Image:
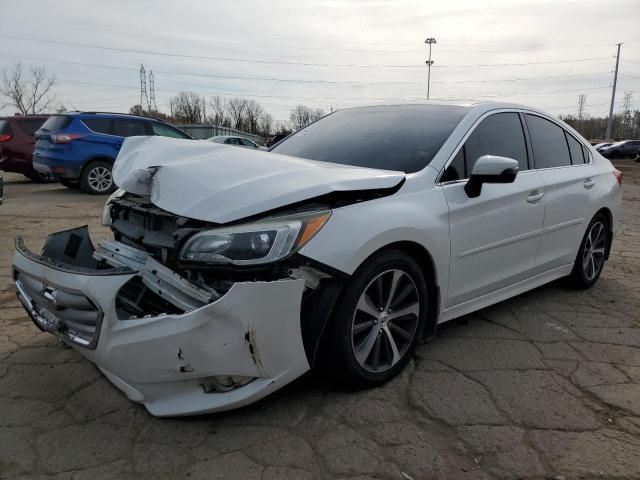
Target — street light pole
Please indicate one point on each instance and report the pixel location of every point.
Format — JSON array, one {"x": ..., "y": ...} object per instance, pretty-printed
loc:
[{"x": 429, "y": 41}]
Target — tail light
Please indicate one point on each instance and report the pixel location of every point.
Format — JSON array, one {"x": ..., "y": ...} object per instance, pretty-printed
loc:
[
  {"x": 65, "y": 137},
  {"x": 5, "y": 138},
  {"x": 618, "y": 174}
]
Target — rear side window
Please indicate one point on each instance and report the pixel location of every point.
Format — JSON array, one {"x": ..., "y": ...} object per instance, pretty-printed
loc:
[
  {"x": 575, "y": 149},
  {"x": 30, "y": 125},
  {"x": 167, "y": 131},
  {"x": 548, "y": 142},
  {"x": 232, "y": 141},
  {"x": 499, "y": 134},
  {"x": 98, "y": 125},
  {"x": 5, "y": 128},
  {"x": 128, "y": 128},
  {"x": 56, "y": 122},
  {"x": 247, "y": 143}
]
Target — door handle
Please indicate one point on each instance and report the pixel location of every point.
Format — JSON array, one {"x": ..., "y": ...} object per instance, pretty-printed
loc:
[
  {"x": 588, "y": 183},
  {"x": 535, "y": 196}
]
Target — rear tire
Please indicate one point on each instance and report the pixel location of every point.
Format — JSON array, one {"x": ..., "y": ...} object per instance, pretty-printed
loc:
[
  {"x": 592, "y": 253},
  {"x": 378, "y": 320},
  {"x": 97, "y": 179}
]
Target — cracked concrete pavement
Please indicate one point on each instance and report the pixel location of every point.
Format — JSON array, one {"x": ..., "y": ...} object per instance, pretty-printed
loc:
[{"x": 546, "y": 385}]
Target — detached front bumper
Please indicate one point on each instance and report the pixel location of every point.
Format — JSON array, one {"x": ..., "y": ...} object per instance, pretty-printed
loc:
[{"x": 165, "y": 361}]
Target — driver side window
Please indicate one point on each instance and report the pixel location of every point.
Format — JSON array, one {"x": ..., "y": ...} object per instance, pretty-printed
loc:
[{"x": 499, "y": 134}]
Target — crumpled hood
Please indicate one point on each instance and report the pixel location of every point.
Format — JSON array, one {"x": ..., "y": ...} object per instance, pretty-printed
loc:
[{"x": 219, "y": 183}]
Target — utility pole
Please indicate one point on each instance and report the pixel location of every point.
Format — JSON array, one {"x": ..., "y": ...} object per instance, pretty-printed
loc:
[
  {"x": 613, "y": 94},
  {"x": 429, "y": 41}
]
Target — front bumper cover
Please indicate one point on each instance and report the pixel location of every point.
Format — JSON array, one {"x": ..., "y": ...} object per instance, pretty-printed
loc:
[{"x": 162, "y": 361}]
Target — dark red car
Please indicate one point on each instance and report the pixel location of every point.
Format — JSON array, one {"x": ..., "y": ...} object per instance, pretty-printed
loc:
[{"x": 16, "y": 144}]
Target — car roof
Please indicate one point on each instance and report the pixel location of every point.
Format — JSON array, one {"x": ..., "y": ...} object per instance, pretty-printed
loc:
[{"x": 111, "y": 114}]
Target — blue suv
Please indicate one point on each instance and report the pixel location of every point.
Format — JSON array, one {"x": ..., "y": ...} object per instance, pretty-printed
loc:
[{"x": 79, "y": 149}]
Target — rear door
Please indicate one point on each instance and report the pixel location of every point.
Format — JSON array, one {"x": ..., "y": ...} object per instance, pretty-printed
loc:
[
  {"x": 560, "y": 160},
  {"x": 494, "y": 237}
]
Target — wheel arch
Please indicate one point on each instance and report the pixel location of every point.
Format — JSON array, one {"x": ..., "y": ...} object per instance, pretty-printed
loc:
[
  {"x": 95, "y": 158},
  {"x": 609, "y": 216}
]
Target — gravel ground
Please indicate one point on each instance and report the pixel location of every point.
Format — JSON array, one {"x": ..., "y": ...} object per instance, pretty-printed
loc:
[{"x": 546, "y": 385}]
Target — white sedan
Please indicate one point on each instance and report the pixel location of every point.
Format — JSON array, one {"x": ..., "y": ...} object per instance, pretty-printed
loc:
[{"x": 232, "y": 272}]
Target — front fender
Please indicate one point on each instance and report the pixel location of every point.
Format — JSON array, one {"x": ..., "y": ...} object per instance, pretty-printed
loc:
[{"x": 355, "y": 232}]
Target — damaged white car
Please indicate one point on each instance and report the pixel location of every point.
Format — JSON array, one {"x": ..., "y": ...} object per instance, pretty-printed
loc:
[{"x": 232, "y": 272}]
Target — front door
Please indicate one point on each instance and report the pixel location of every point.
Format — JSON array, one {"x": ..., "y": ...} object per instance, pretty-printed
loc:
[{"x": 494, "y": 237}]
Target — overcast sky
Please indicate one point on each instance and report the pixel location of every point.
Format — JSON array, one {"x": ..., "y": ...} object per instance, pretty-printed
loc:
[{"x": 329, "y": 53}]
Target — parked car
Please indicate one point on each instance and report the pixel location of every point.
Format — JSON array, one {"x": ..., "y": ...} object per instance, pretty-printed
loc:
[
  {"x": 236, "y": 141},
  {"x": 79, "y": 149},
  {"x": 625, "y": 148},
  {"x": 231, "y": 273},
  {"x": 598, "y": 146},
  {"x": 16, "y": 144}
]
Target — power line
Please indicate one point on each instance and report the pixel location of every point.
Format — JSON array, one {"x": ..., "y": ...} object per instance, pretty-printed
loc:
[
  {"x": 284, "y": 62},
  {"x": 295, "y": 80},
  {"x": 410, "y": 99}
]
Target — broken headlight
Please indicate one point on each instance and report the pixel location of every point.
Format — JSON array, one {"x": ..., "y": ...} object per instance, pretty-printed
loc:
[{"x": 254, "y": 243}]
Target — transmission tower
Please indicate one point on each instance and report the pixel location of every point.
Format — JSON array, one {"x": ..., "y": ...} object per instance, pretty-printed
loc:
[
  {"x": 152, "y": 93},
  {"x": 144, "y": 99},
  {"x": 626, "y": 117},
  {"x": 582, "y": 98}
]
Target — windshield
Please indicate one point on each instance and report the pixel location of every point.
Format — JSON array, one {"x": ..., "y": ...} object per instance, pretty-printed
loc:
[{"x": 400, "y": 137}]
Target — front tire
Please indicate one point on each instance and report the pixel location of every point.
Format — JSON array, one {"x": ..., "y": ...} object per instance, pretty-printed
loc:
[
  {"x": 97, "y": 179},
  {"x": 592, "y": 253},
  {"x": 378, "y": 319}
]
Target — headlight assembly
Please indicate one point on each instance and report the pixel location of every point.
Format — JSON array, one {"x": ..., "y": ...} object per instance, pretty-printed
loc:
[{"x": 254, "y": 243}]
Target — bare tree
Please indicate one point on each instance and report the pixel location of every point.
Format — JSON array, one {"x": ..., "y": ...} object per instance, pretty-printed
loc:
[
  {"x": 301, "y": 116},
  {"x": 265, "y": 124},
  {"x": 29, "y": 92},
  {"x": 236, "y": 108},
  {"x": 253, "y": 111},
  {"x": 187, "y": 107},
  {"x": 219, "y": 112}
]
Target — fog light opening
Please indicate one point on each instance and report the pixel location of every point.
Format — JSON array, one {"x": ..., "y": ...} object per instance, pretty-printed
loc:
[{"x": 224, "y": 383}]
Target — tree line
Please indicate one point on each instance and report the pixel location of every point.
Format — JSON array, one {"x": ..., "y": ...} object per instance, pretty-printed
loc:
[
  {"x": 236, "y": 112},
  {"x": 625, "y": 126}
]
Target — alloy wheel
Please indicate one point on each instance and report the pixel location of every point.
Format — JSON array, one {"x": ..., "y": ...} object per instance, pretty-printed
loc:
[
  {"x": 100, "y": 179},
  {"x": 593, "y": 252},
  {"x": 385, "y": 320}
]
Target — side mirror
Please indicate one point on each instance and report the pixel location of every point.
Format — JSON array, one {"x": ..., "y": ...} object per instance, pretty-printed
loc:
[{"x": 491, "y": 169}]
